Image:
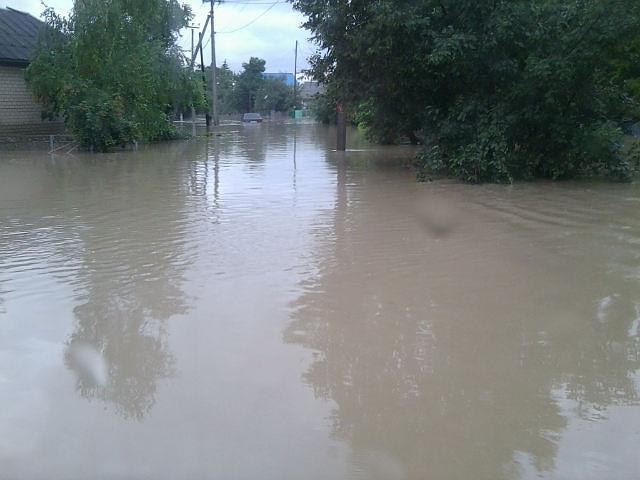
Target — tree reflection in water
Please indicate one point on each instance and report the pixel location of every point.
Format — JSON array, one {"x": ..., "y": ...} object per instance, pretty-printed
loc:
[
  {"x": 134, "y": 349},
  {"x": 133, "y": 267},
  {"x": 448, "y": 356}
]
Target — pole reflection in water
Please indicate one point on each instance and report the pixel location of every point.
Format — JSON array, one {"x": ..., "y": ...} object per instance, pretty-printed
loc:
[
  {"x": 256, "y": 305},
  {"x": 458, "y": 339}
]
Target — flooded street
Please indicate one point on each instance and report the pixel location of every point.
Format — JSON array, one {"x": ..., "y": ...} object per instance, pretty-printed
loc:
[{"x": 258, "y": 306}]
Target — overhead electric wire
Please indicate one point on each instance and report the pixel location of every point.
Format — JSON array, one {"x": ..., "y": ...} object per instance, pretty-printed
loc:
[
  {"x": 242, "y": 2},
  {"x": 273, "y": 4}
]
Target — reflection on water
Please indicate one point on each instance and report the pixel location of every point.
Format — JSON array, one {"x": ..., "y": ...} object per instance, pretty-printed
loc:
[
  {"x": 130, "y": 293},
  {"x": 450, "y": 343},
  {"x": 131, "y": 279},
  {"x": 126, "y": 270},
  {"x": 258, "y": 305}
]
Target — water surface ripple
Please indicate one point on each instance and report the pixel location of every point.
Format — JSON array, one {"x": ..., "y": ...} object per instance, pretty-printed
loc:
[{"x": 256, "y": 305}]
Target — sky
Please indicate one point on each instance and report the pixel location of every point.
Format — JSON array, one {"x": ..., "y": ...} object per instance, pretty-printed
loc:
[{"x": 272, "y": 36}]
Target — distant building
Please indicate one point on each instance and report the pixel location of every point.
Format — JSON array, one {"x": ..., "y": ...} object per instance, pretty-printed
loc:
[
  {"x": 286, "y": 78},
  {"x": 310, "y": 89},
  {"x": 20, "y": 115}
]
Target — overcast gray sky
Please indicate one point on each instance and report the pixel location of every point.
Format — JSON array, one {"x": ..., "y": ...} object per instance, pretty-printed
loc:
[{"x": 272, "y": 36}]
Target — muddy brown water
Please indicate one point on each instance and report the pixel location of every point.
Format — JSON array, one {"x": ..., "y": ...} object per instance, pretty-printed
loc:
[{"x": 257, "y": 306}]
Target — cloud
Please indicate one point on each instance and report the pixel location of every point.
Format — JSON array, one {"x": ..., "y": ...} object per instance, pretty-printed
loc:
[
  {"x": 36, "y": 7},
  {"x": 272, "y": 37}
]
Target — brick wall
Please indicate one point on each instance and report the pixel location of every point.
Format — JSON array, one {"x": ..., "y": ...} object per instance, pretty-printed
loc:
[{"x": 19, "y": 114}]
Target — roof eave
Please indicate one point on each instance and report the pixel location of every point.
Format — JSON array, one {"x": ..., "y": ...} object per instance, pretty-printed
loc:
[{"x": 14, "y": 62}]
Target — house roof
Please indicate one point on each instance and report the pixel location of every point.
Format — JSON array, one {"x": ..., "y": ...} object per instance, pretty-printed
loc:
[{"x": 18, "y": 36}]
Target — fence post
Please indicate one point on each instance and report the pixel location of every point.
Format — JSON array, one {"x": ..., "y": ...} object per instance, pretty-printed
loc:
[{"x": 341, "y": 129}]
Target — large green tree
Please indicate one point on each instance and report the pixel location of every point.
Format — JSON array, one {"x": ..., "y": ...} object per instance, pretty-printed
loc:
[
  {"x": 497, "y": 89},
  {"x": 226, "y": 81},
  {"x": 113, "y": 71},
  {"x": 248, "y": 83},
  {"x": 248, "y": 90},
  {"x": 274, "y": 95}
]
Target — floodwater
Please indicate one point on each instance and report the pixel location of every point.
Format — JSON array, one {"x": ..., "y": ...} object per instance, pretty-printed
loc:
[{"x": 258, "y": 306}]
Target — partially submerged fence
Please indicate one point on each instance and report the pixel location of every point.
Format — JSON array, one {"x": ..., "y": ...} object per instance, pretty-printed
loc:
[
  {"x": 62, "y": 144},
  {"x": 59, "y": 143}
]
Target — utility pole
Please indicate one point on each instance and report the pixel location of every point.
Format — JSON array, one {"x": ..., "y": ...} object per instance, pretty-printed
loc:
[
  {"x": 295, "y": 79},
  {"x": 192, "y": 28},
  {"x": 199, "y": 46},
  {"x": 341, "y": 128},
  {"x": 214, "y": 80},
  {"x": 193, "y": 109},
  {"x": 204, "y": 80}
]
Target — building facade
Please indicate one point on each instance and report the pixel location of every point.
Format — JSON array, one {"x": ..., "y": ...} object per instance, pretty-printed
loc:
[
  {"x": 286, "y": 78},
  {"x": 20, "y": 115},
  {"x": 310, "y": 89}
]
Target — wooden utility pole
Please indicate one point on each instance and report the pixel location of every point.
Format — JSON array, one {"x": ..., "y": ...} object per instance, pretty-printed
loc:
[
  {"x": 193, "y": 60},
  {"x": 193, "y": 109},
  {"x": 295, "y": 79},
  {"x": 199, "y": 46},
  {"x": 192, "y": 28},
  {"x": 204, "y": 80},
  {"x": 341, "y": 141},
  {"x": 214, "y": 80}
]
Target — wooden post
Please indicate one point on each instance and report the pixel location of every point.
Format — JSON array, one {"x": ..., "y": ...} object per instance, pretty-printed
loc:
[
  {"x": 204, "y": 81},
  {"x": 341, "y": 144},
  {"x": 214, "y": 81},
  {"x": 295, "y": 80},
  {"x": 193, "y": 121}
]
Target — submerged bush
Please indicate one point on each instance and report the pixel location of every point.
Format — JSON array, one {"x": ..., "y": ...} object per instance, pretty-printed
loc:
[{"x": 495, "y": 90}]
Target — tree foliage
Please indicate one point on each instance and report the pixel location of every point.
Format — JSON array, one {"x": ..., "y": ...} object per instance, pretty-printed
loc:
[
  {"x": 497, "y": 90},
  {"x": 113, "y": 71},
  {"x": 226, "y": 84},
  {"x": 274, "y": 95},
  {"x": 249, "y": 91},
  {"x": 249, "y": 82}
]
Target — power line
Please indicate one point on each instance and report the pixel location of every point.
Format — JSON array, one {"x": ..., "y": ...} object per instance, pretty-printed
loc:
[
  {"x": 249, "y": 2},
  {"x": 273, "y": 4}
]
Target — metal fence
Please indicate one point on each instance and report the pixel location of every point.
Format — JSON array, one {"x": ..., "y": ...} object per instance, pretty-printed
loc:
[{"x": 62, "y": 143}]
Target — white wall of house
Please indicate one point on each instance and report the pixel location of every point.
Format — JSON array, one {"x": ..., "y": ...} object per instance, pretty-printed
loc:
[{"x": 19, "y": 113}]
